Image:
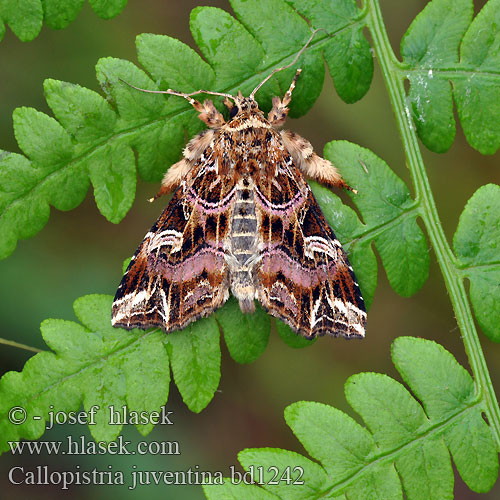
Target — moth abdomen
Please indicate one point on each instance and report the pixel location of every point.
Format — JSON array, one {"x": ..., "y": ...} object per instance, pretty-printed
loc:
[{"x": 243, "y": 246}]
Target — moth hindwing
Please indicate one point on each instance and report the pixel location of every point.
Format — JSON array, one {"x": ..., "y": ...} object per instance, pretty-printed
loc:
[{"x": 243, "y": 219}]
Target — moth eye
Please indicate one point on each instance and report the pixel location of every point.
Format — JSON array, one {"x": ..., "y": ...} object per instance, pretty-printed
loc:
[{"x": 234, "y": 111}]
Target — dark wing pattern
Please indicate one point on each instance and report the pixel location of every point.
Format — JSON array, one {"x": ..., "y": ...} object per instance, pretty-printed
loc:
[
  {"x": 303, "y": 274},
  {"x": 179, "y": 273}
]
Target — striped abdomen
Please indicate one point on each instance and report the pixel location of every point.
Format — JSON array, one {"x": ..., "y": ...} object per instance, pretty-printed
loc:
[{"x": 243, "y": 246}]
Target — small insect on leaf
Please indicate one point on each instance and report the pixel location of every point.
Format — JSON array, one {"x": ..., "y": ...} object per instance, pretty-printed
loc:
[{"x": 243, "y": 219}]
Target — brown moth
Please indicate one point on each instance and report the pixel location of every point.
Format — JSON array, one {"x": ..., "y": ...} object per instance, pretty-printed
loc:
[{"x": 243, "y": 219}]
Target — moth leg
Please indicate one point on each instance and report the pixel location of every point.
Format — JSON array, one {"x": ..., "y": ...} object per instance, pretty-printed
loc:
[
  {"x": 279, "y": 111},
  {"x": 178, "y": 171},
  {"x": 173, "y": 177},
  {"x": 311, "y": 164},
  {"x": 194, "y": 149}
]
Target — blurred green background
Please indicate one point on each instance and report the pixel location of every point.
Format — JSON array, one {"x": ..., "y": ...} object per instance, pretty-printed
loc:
[{"x": 79, "y": 252}]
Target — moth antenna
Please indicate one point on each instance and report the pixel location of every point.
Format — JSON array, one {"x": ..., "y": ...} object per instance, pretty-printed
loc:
[
  {"x": 188, "y": 97},
  {"x": 288, "y": 95},
  {"x": 296, "y": 58}
]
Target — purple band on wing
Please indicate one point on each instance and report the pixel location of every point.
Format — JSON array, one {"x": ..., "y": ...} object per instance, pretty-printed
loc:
[
  {"x": 278, "y": 261},
  {"x": 207, "y": 258}
]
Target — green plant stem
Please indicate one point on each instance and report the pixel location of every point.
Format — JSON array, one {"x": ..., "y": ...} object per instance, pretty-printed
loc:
[
  {"x": 394, "y": 76},
  {"x": 20, "y": 346}
]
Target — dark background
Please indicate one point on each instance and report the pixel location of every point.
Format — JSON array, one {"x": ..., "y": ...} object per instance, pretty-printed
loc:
[{"x": 79, "y": 252}]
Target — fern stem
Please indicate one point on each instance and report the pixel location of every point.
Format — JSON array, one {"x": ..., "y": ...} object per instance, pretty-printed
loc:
[
  {"x": 394, "y": 77},
  {"x": 20, "y": 346}
]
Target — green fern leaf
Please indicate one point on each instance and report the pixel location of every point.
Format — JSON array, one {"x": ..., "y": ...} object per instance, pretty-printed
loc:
[
  {"x": 195, "y": 357},
  {"x": 347, "y": 53},
  {"x": 246, "y": 335},
  {"x": 59, "y": 13},
  {"x": 290, "y": 337},
  {"x": 477, "y": 247},
  {"x": 443, "y": 46},
  {"x": 93, "y": 364},
  {"x": 232, "y": 491},
  {"x": 107, "y": 8},
  {"x": 404, "y": 448},
  {"x": 25, "y": 17}
]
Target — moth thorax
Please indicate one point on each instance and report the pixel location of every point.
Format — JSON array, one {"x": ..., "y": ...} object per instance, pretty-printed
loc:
[{"x": 243, "y": 246}]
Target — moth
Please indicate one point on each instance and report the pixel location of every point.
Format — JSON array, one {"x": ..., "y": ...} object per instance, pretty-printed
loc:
[{"x": 242, "y": 218}]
